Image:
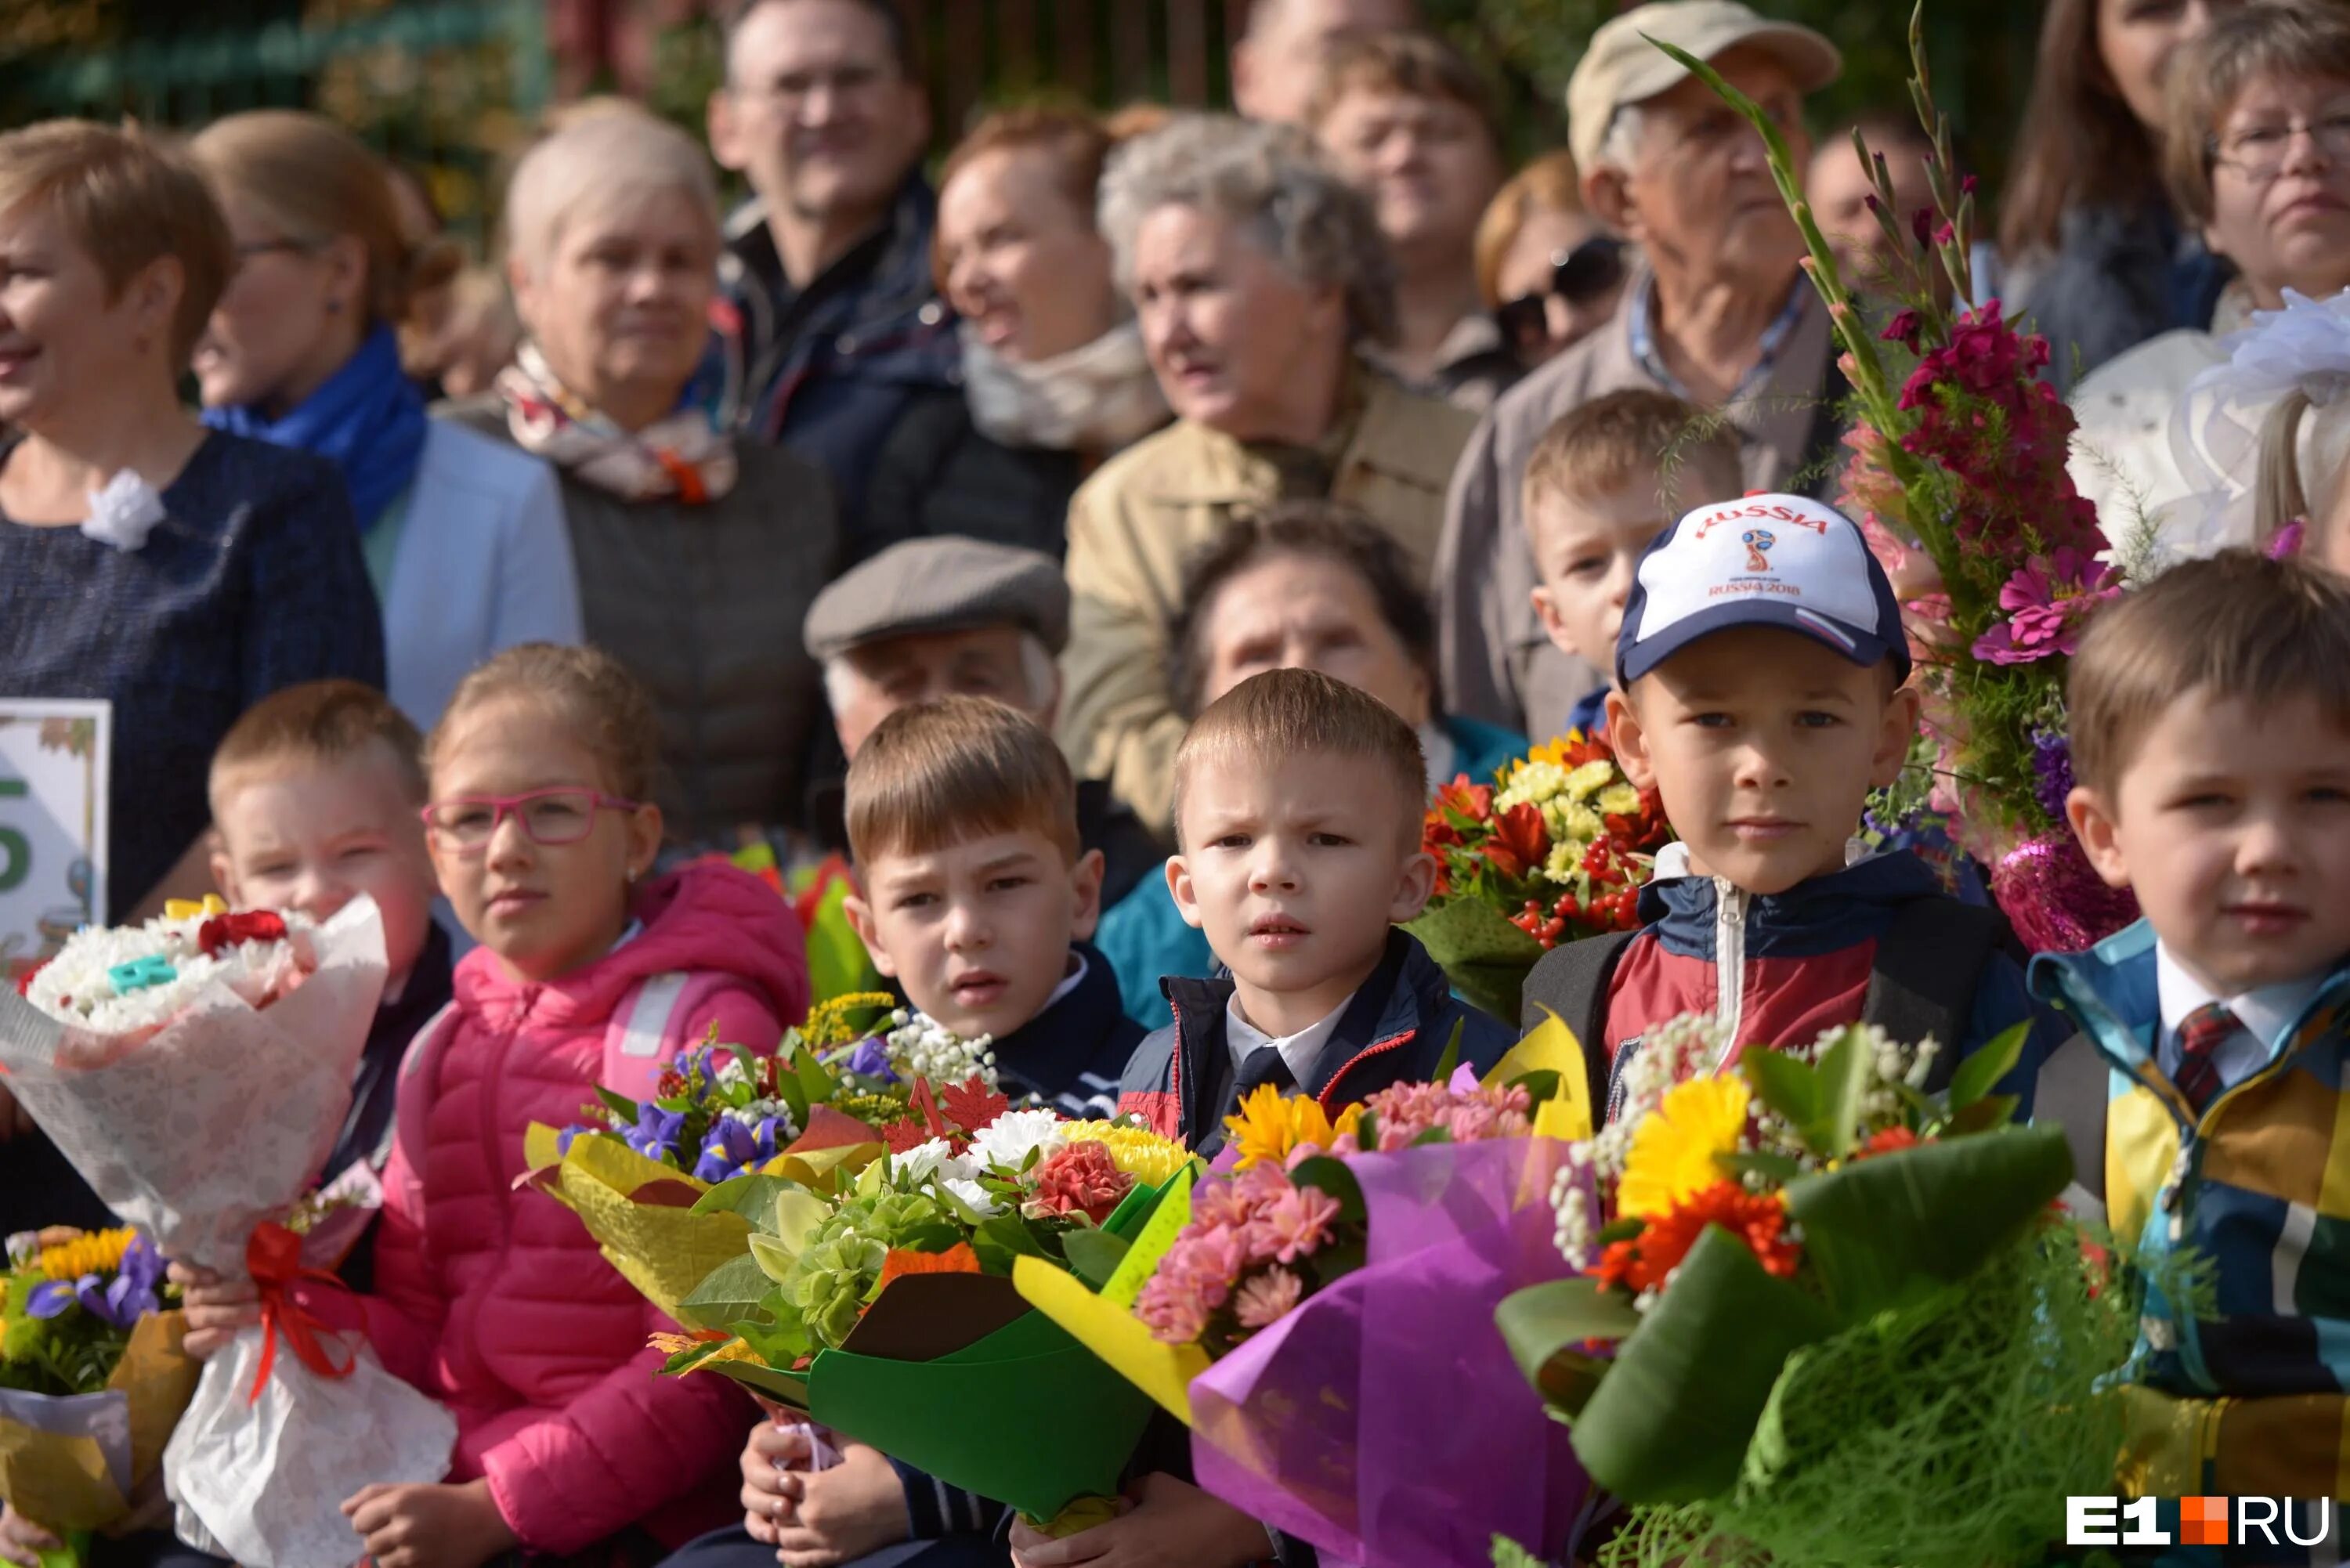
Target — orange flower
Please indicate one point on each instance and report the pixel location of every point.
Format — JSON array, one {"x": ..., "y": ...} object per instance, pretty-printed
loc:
[
  {"x": 1892, "y": 1140},
  {"x": 1646, "y": 1260},
  {"x": 958, "y": 1259}
]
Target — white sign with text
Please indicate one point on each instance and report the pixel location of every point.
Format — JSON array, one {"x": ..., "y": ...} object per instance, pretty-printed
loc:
[{"x": 54, "y": 763}]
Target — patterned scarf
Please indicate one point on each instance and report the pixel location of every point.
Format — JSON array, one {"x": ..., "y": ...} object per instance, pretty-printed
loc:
[{"x": 687, "y": 457}]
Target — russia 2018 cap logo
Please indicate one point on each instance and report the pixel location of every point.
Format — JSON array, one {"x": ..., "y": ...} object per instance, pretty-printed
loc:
[{"x": 1758, "y": 541}]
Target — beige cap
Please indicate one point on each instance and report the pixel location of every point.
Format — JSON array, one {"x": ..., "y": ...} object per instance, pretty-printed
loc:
[{"x": 1622, "y": 66}]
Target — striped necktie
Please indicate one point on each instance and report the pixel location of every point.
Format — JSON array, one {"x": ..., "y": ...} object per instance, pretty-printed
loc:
[{"x": 2201, "y": 1036}]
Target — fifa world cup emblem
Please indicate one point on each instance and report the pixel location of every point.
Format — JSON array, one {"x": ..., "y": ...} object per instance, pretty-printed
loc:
[{"x": 1758, "y": 540}]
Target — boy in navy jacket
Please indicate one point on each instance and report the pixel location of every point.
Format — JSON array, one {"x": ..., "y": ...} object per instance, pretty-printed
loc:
[{"x": 1760, "y": 674}]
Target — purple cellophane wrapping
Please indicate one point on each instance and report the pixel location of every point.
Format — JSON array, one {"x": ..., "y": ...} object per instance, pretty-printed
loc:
[{"x": 1385, "y": 1420}]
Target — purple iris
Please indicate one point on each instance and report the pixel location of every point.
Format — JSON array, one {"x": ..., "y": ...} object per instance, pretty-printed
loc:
[
  {"x": 570, "y": 1134},
  {"x": 733, "y": 1146},
  {"x": 871, "y": 1060},
  {"x": 656, "y": 1131},
  {"x": 700, "y": 1067},
  {"x": 121, "y": 1301},
  {"x": 2051, "y": 768}
]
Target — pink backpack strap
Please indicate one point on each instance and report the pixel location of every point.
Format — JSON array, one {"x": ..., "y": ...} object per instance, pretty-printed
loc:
[
  {"x": 653, "y": 1025},
  {"x": 419, "y": 1086}
]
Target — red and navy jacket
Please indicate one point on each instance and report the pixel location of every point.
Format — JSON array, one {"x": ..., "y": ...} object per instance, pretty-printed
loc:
[
  {"x": 1781, "y": 968},
  {"x": 1394, "y": 1031}
]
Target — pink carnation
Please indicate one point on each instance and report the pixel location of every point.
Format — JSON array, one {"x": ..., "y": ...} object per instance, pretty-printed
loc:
[
  {"x": 1406, "y": 1111},
  {"x": 1294, "y": 1225},
  {"x": 1268, "y": 1298}
]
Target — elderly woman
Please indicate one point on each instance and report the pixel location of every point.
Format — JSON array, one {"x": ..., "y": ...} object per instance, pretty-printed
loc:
[
  {"x": 177, "y": 574},
  {"x": 1718, "y": 313},
  {"x": 1308, "y": 586},
  {"x": 1403, "y": 117},
  {"x": 463, "y": 534},
  {"x": 1054, "y": 374},
  {"x": 2258, "y": 157},
  {"x": 1549, "y": 272},
  {"x": 692, "y": 548},
  {"x": 1256, "y": 273}
]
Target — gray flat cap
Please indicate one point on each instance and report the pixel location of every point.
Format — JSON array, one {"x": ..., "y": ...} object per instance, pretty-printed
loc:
[{"x": 942, "y": 584}]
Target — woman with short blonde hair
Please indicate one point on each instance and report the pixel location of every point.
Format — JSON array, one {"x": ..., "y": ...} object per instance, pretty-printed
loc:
[
  {"x": 463, "y": 536},
  {"x": 1549, "y": 272},
  {"x": 691, "y": 546},
  {"x": 178, "y": 574}
]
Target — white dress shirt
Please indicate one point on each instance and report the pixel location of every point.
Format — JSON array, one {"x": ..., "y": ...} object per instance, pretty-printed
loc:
[
  {"x": 1300, "y": 1050},
  {"x": 2265, "y": 1013}
]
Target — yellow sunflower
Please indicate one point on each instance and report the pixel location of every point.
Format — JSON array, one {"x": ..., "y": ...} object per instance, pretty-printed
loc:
[
  {"x": 1271, "y": 1125},
  {"x": 1673, "y": 1150},
  {"x": 99, "y": 1252}
]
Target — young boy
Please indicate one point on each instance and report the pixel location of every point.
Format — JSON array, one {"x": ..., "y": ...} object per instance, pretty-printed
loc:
[
  {"x": 1298, "y": 803},
  {"x": 1600, "y": 485},
  {"x": 1759, "y": 690},
  {"x": 316, "y": 795},
  {"x": 2204, "y": 1096},
  {"x": 971, "y": 892}
]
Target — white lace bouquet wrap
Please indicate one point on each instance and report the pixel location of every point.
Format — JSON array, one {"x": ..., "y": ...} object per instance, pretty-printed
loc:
[{"x": 197, "y": 1128}]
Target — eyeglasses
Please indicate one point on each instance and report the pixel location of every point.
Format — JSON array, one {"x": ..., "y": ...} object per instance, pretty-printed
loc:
[
  {"x": 1588, "y": 273},
  {"x": 2259, "y": 151},
  {"x": 548, "y": 816}
]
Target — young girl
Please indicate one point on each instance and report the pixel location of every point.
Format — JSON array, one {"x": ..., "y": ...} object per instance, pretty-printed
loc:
[{"x": 494, "y": 1300}]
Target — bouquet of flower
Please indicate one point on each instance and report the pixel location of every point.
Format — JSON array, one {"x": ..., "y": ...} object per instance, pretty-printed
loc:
[
  {"x": 1822, "y": 1316},
  {"x": 1555, "y": 848},
  {"x": 91, "y": 1375},
  {"x": 1958, "y": 473},
  {"x": 635, "y": 1177},
  {"x": 1316, "y": 1313},
  {"x": 875, "y": 1295},
  {"x": 196, "y": 1071}
]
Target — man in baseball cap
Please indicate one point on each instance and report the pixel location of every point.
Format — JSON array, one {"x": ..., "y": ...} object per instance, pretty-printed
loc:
[
  {"x": 1717, "y": 313},
  {"x": 1762, "y": 670}
]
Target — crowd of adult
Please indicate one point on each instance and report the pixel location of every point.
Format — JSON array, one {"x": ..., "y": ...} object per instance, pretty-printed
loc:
[{"x": 1107, "y": 418}]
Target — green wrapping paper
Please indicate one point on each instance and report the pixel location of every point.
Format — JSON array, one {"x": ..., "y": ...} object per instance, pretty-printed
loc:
[{"x": 1485, "y": 957}]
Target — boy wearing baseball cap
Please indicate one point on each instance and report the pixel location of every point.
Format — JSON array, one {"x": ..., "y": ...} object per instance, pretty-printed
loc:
[{"x": 1760, "y": 675}]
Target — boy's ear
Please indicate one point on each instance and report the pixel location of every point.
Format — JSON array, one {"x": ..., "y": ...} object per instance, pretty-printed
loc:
[
  {"x": 2098, "y": 828},
  {"x": 223, "y": 869},
  {"x": 1085, "y": 882},
  {"x": 1413, "y": 887},
  {"x": 1180, "y": 889},
  {"x": 1553, "y": 625},
  {"x": 861, "y": 920},
  {"x": 1893, "y": 741},
  {"x": 1631, "y": 742}
]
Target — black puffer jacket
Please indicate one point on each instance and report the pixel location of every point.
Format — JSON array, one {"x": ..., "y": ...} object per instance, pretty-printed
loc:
[{"x": 936, "y": 474}]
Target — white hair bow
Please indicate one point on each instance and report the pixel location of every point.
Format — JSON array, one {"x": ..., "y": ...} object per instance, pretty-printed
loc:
[{"x": 2216, "y": 425}]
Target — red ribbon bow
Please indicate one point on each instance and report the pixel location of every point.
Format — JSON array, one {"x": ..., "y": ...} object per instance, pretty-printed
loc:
[
  {"x": 274, "y": 1258},
  {"x": 223, "y": 930}
]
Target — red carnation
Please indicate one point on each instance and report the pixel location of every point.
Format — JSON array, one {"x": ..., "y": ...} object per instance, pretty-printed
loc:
[{"x": 1080, "y": 1179}]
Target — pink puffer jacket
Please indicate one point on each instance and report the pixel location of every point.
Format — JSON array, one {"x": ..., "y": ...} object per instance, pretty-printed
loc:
[{"x": 494, "y": 1301}]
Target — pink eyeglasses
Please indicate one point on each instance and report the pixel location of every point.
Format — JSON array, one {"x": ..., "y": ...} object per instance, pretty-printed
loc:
[{"x": 558, "y": 816}]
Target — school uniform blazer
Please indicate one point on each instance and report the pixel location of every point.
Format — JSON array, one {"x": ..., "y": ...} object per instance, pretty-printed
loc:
[{"x": 483, "y": 562}]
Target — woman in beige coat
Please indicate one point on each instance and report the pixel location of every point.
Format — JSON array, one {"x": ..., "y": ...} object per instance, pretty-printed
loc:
[{"x": 1256, "y": 274}]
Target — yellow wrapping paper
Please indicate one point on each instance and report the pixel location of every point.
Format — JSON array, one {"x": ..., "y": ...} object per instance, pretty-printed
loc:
[
  {"x": 62, "y": 1482},
  {"x": 663, "y": 1250}
]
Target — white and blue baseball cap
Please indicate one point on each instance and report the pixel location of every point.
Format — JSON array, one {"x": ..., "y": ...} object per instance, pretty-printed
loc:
[{"x": 1765, "y": 560}]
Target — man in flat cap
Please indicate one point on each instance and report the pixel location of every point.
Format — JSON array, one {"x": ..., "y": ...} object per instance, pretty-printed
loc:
[
  {"x": 1718, "y": 314},
  {"x": 946, "y": 617}
]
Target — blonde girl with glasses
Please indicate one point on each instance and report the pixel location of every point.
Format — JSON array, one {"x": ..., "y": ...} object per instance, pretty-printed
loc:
[{"x": 589, "y": 971}]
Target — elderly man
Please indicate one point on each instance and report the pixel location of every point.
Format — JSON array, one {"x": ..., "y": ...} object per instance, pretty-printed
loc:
[
  {"x": 954, "y": 616},
  {"x": 828, "y": 266},
  {"x": 1720, "y": 314},
  {"x": 1277, "y": 62}
]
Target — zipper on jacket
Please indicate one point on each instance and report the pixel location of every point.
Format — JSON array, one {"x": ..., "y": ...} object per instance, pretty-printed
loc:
[{"x": 1729, "y": 959}]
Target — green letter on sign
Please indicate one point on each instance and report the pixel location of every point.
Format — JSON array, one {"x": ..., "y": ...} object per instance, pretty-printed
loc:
[{"x": 16, "y": 854}]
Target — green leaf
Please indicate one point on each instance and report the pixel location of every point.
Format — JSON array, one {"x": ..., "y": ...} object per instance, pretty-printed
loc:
[
  {"x": 1780, "y": 1169},
  {"x": 1976, "y": 1074},
  {"x": 752, "y": 1195},
  {"x": 1093, "y": 1255},
  {"x": 1846, "y": 1070},
  {"x": 1672, "y": 1419},
  {"x": 1544, "y": 1326},
  {"x": 1622, "y": 1229},
  {"x": 814, "y": 1081},
  {"x": 1787, "y": 1087},
  {"x": 1986, "y": 1114},
  {"x": 1331, "y": 1176},
  {"x": 619, "y": 1104},
  {"x": 1890, "y": 1229},
  {"x": 1508, "y": 1554},
  {"x": 1540, "y": 1085},
  {"x": 1451, "y": 1057},
  {"x": 733, "y": 1290}
]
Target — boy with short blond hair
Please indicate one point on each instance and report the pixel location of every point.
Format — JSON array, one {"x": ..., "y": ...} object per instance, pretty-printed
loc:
[
  {"x": 1298, "y": 806},
  {"x": 1600, "y": 485},
  {"x": 2204, "y": 1095},
  {"x": 1760, "y": 690}
]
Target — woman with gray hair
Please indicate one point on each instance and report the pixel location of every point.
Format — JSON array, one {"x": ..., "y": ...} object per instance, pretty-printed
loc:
[
  {"x": 1257, "y": 274},
  {"x": 691, "y": 547}
]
